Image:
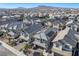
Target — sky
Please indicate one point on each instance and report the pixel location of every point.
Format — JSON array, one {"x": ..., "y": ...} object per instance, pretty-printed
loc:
[{"x": 31, "y": 5}]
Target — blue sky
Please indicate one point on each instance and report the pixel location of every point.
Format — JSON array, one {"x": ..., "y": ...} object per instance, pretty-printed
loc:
[{"x": 30, "y": 5}]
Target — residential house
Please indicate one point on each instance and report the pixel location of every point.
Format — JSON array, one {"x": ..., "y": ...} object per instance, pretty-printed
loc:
[
  {"x": 31, "y": 30},
  {"x": 44, "y": 37},
  {"x": 65, "y": 41}
]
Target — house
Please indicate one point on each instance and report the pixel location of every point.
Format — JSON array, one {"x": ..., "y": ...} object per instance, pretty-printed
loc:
[
  {"x": 73, "y": 25},
  {"x": 17, "y": 26},
  {"x": 48, "y": 24},
  {"x": 65, "y": 40},
  {"x": 70, "y": 17},
  {"x": 44, "y": 37},
  {"x": 13, "y": 34},
  {"x": 14, "y": 28},
  {"x": 26, "y": 21},
  {"x": 58, "y": 23},
  {"x": 27, "y": 32},
  {"x": 36, "y": 21},
  {"x": 33, "y": 29},
  {"x": 24, "y": 36},
  {"x": 3, "y": 27}
]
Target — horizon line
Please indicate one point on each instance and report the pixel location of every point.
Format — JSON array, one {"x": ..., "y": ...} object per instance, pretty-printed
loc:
[
  {"x": 33, "y": 5},
  {"x": 37, "y": 6}
]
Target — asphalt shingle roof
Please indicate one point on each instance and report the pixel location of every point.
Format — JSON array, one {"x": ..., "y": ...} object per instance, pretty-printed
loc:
[{"x": 34, "y": 28}]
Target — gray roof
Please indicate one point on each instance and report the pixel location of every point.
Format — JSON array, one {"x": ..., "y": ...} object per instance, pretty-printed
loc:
[
  {"x": 70, "y": 41},
  {"x": 7, "y": 22},
  {"x": 71, "y": 34},
  {"x": 34, "y": 28},
  {"x": 58, "y": 21},
  {"x": 49, "y": 33},
  {"x": 70, "y": 38},
  {"x": 67, "y": 36},
  {"x": 19, "y": 25}
]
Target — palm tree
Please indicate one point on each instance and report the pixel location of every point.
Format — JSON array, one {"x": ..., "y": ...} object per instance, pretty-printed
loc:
[{"x": 26, "y": 49}]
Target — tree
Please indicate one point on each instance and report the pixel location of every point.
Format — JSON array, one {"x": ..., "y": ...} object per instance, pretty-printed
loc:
[
  {"x": 25, "y": 49},
  {"x": 1, "y": 33},
  {"x": 11, "y": 42},
  {"x": 63, "y": 27}
]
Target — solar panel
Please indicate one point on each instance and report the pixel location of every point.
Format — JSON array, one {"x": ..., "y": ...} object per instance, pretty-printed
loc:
[{"x": 50, "y": 33}]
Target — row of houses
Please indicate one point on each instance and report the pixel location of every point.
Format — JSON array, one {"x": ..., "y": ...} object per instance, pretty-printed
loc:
[
  {"x": 41, "y": 34},
  {"x": 37, "y": 34},
  {"x": 66, "y": 39}
]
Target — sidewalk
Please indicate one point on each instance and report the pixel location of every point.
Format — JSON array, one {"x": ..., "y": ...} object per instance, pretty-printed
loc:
[{"x": 12, "y": 49}]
